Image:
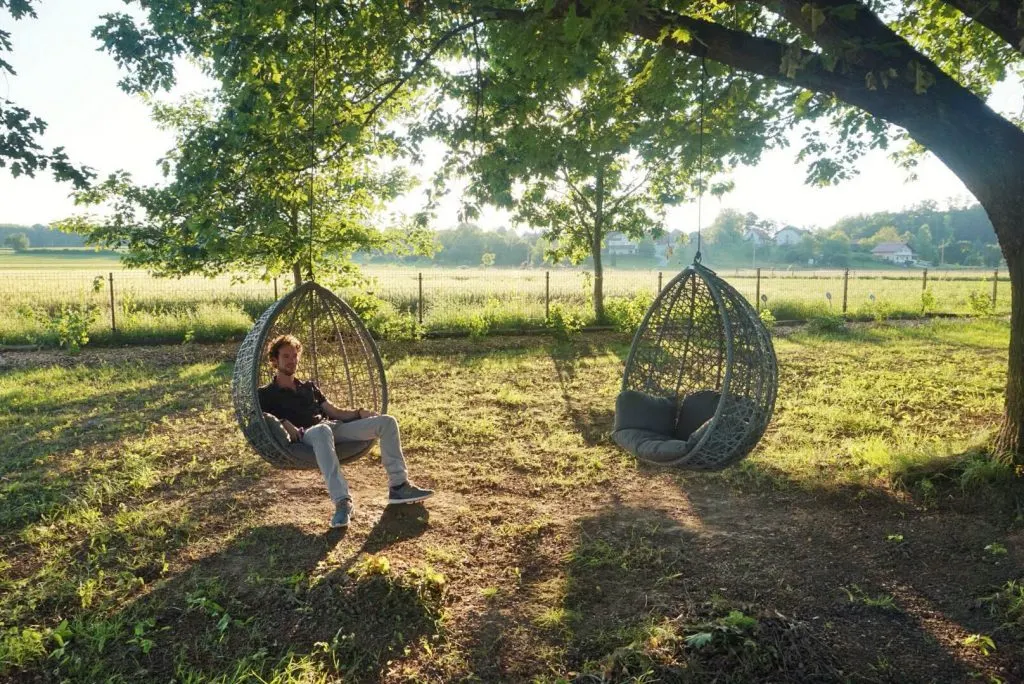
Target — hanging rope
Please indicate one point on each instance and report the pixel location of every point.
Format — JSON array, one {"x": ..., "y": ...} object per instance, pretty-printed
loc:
[
  {"x": 312, "y": 145},
  {"x": 700, "y": 155}
]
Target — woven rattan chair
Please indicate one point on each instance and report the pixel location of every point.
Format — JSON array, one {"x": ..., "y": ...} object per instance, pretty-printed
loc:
[
  {"x": 701, "y": 377},
  {"x": 338, "y": 354}
]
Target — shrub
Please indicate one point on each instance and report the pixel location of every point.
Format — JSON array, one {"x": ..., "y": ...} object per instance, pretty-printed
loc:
[
  {"x": 767, "y": 318},
  {"x": 826, "y": 324},
  {"x": 71, "y": 325},
  {"x": 563, "y": 324},
  {"x": 627, "y": 313},
  {"x": 980, "y": 303},
  {"x": 383, "y": 320}
]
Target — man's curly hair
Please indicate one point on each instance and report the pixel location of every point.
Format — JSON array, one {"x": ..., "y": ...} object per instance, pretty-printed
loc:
[{"x": 280, "y": 341}]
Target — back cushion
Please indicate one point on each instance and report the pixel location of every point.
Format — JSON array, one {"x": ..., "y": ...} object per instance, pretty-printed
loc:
[
  {"x": 638, "y": 411},
  {"x": 695, "y": 410}
]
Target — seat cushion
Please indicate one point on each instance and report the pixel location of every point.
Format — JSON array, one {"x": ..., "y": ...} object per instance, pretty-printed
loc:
[
  {"x": 346, "y": 449},
  {"x": 695, "y": 411},
  {"x": 638, "y": 411}
]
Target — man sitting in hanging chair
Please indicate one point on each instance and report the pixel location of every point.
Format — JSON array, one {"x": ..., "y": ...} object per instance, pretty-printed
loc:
[{"x": 310, "y": 418}]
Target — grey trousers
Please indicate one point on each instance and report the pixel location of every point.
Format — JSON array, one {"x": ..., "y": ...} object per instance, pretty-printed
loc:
[{"x": 321, "y": 438}]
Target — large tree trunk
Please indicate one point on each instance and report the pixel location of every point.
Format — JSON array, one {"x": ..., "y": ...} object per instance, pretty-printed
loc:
[{"x": 1010, "y": 440}]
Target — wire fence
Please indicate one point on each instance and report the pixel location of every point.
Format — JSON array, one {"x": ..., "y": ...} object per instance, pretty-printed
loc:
[{"x": 136, "y": 306}]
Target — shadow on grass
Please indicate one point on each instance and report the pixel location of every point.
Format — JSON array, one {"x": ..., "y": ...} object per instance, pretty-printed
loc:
[
  {"x": 53, "y": 437},
  {"x": 270, "y": 604},
  {"x": 593, "y": 422}
]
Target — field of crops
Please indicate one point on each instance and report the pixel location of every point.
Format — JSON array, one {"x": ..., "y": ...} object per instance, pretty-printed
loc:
[{"x": 124, "y": 305}]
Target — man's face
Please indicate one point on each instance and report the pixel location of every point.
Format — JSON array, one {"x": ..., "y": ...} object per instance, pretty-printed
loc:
[{"x": 287, "y": 360}]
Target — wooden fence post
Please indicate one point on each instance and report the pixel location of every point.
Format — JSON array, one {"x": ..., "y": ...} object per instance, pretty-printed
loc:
[
  {"x": 995, "y": 284},
  {"x": 419, "y": 306},
  {"x": 113, "y": 318},
  {"x": 846, "y": 287},
  {"x": 547, "y": 296},
  {"x": 757, "y": 291}
]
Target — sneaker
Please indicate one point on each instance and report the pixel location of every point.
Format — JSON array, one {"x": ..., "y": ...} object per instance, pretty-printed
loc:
[
  {"x": 342, "y": 513},
  {"x": 407, "y": 493}
]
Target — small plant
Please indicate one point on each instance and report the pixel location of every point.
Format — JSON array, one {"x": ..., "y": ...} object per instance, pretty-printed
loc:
[
  {"x": 1007, "y": 604},
  {"x": 563, "y": 324},
  {"x": 71, "y": 325},
  {"x": 996, "y": 549},
  {"x": 767, "y": 318},
  {"x": 980, "y": 303},
  {"x": 857, "y": 595},
  {"x": 735, "y": 625},
  {"x": 894, "y": 538},
  {"x": 826, "y": 324},
  {"x": 981, "y": 643},
  {"x": 478, "y": 326},
  {"x": 627, "y": 313},
  {"x": 927, "y": 301},
  {"x": 371, "y": 565}
]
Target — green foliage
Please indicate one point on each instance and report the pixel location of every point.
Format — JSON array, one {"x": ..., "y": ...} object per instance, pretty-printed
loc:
[
  {"x": 383, "y": 319},
  {"x": 627, "y": 313},
  {"x": 18, "y": 242},
  {"x": 927, "y": 301},
  {"x": 827, "y": 324},
  {"x": 857, "y": 595},
  {"x": 767, "y": 318},
  {"x": 19, "y": 647},
  {"x": 982, "y": 643},
  {"x": 1007, "y": 605},
  {"x": 563, "y": 324},
  {"x": 980, "y": 303},
  {"x": 70, "y": 324}
]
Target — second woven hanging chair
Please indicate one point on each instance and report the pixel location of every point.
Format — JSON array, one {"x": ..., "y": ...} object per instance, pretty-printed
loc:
[
  {"x": 701, "y": 377},
  {"x": 339, "y": 355}
]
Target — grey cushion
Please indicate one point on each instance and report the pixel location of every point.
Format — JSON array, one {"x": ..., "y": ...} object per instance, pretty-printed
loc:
[
  {"x": 695, "y": 411},
  {"x": 655, "y": 447},
  {"x": 638, "y": 411},
  {"x": 346, "y": 449}
]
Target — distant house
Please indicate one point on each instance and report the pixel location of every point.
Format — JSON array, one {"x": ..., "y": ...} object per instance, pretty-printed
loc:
[
  {"x": 757, "y": 236},
  {"x": 618, "y": 243},
  {"x": 896, "y": 252},
  {"x": 790, "y": 235}
]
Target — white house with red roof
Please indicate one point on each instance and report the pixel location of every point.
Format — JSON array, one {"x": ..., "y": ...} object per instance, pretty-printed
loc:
[{"x": 896, "y": 252}]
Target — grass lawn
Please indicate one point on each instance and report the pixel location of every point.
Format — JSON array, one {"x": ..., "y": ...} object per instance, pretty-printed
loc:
[{"x": 140, "y": 539}]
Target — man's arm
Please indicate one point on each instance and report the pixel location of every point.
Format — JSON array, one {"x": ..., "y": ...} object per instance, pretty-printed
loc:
[
  {"x": 345, "y": 415},
  {"x": 293, "y": 432}
]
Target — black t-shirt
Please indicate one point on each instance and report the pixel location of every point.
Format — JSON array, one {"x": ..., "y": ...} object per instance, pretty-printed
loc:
[{"x": 301, "y": 406}]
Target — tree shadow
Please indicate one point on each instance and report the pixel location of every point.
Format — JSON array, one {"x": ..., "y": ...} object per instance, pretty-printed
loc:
[
  {"x": 272, "y": 600},
  {"x": 33, "y": 451},
  {"x": 892, "y": 584},
  {"x": 591, "y": 417}
]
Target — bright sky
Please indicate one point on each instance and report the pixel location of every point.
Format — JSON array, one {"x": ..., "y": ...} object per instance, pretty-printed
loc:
[{"x": 62, "y": 78}]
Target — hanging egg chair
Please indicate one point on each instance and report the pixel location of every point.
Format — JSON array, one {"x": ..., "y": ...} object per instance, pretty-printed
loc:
[
  {"x": 339, "y": 355},
  {"x": 701, "y": 377}
]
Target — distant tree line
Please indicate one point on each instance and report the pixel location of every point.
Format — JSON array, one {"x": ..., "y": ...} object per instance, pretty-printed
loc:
[
  {"x": 958, "y": 236},
  {"x": 39, "y": 235}
]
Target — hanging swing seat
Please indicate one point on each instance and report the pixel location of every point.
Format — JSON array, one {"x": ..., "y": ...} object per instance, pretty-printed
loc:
[
  {"x": 339, "y": 355},
  {"x": 701, "y": 377}
]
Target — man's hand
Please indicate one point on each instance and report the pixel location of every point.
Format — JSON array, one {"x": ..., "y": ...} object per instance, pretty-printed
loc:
[
  {"x": 293, "y": 432},
  {"x": 366, "y": 413}
]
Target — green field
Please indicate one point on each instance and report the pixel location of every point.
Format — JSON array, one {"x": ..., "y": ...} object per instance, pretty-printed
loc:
[
  {"x": 864, "y": 540},
  {"x": 35, "y": 302},
  {"x": 58, "y": 258}
]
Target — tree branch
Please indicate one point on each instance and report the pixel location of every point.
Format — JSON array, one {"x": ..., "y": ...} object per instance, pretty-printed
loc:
[{"x": 1001, "y": 17}]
